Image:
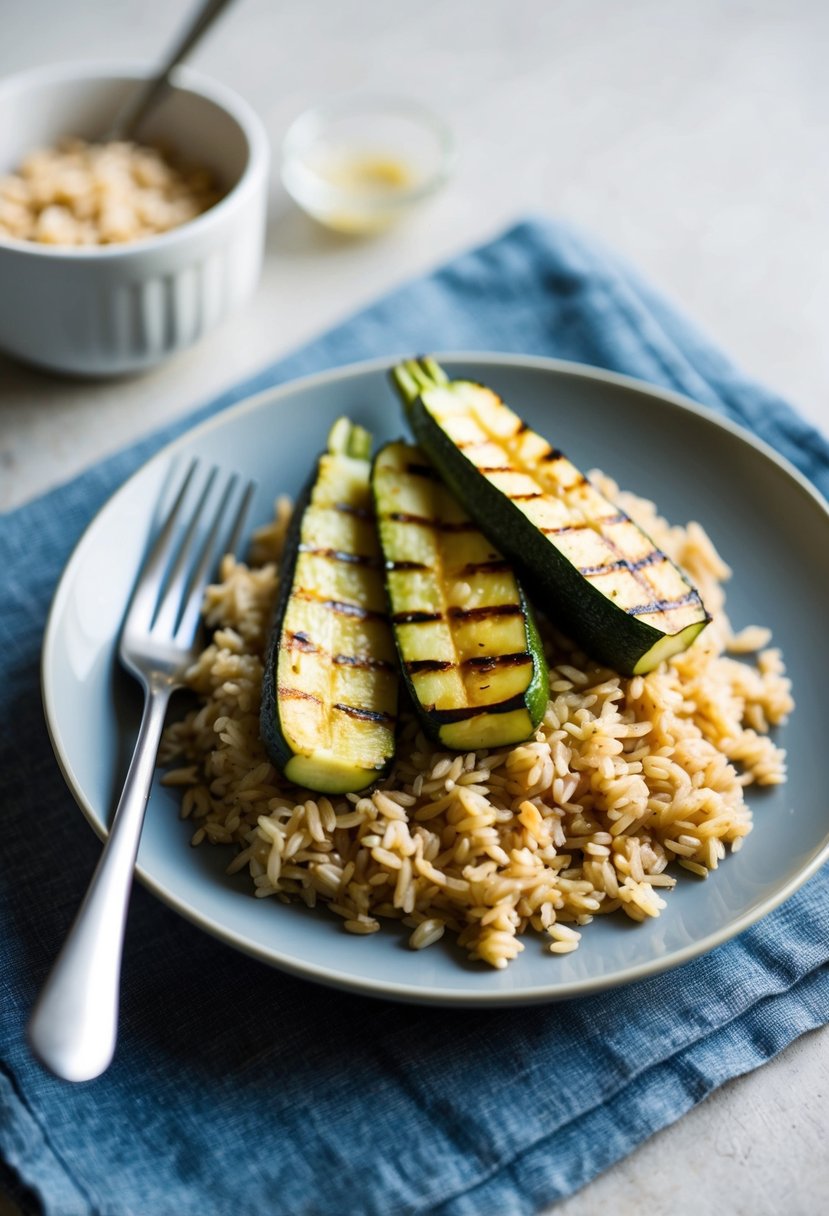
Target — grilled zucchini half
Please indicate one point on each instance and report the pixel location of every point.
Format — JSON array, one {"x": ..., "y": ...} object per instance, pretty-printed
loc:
[
  {"x": 596, "y": 573},
  {"x": 330, "y": 684},
  {"x": 468, "y": 645}
]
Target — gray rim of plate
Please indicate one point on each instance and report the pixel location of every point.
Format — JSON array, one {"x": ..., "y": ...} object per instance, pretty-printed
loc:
[{"x": 418, "y": 994}]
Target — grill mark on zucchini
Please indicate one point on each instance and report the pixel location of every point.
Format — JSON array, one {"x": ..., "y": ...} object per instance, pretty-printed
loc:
[
  {"x": 417, "y": 666},
  {"x": 580, "y": 527},
  {"x": 340, "y": 606},
  {"x": 493, "y": 661},
  {"x": 359, "y": 512},
  {"x": 483, "y": 663},
  {"x": 605, "y": 568},
  {"x": 362, "y": 661},
  {"x": 298, "y": 641},
  {"x": 364, "y": 715},
  {"x": 458, "y": 614},
  {"x": 564, "y": 528},
  {"x": 662, "y": 605},
  {"x": 423, "y": 470},
  {"x": 406, "y": 566},
  {"x": 650, "y": 559},
  {"x": 494, "y": 566},
  {"x": 424, "y": 521},
  {"x": 481, "y": 614},
  {"x": 301, "y": 642},
  {"x": 416, "y": 618},
  {"x": 447, "y": 716},
  {"x": 339, "y": 555},
  {"x": 403, "y": 517},
  {"x": 297, "y": 694}
]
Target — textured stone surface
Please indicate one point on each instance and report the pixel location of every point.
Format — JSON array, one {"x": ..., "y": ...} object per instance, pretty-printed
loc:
[{"x": 691, "y": 135}]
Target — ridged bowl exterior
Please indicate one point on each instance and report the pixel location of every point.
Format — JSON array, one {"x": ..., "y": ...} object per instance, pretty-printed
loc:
[{"x": 121, "y": 308}]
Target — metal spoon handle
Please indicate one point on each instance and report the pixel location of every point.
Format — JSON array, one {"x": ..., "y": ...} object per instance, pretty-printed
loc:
[
  {"x": 74, "y": 1024},
  {"x": 140, "y": 104}
]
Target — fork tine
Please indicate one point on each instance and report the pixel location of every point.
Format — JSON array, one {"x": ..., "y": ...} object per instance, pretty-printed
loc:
[
  {"x": 223, "y": 537},
  {"x": 144, "y": 597},
  {"x": 172, "y": 584},
  {"x": 234, "y": 539}
]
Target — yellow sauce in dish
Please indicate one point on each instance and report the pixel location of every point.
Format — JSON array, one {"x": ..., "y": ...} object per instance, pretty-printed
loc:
[{"x": 371, "y": 186}]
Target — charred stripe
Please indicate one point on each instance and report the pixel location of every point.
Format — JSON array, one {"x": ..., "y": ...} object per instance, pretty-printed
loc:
[
  {"x": 482, "y": 614},
  {"x": 361, "y": 661},
  {"x": 423, "y": 470},
  {"x": 301, "y": 641},
  {"x": 416, "y": 618},
  {"x": 298, "y": 641},
  {"x": 497, "y": 565},
  {"x": 446, "y": 716},
  {"x": 418, "y": 666},
  {"x": 359, "y": 512},
  {"x": 340, "y": 555},
  {"x": 364, "y": 715},
  {"x": 340, "y": 606},
  {"x": 652, "y": 559},
  {"x": 424, "y": 521},
  {"x": 491, "y": 662},
  {"x": 692, "y": 597},
  {"x": 297, "y": 694},
  {"x": 564, "y": 528}
]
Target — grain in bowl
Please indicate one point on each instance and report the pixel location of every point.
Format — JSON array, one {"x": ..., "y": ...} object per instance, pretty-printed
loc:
[
  {"x": 628, "y": 781},
  {"x": 79, "y": 193}
]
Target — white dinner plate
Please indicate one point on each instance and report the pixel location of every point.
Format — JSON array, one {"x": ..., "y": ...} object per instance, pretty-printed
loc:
[{"x": 766, "y": 520}]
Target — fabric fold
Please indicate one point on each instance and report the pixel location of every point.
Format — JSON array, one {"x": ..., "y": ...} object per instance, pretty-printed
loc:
[{"x": 572, "y": 1156}]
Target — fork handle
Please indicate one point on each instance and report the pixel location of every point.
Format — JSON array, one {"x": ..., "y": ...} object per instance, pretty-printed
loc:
[{"x": 74, "y": 1024}]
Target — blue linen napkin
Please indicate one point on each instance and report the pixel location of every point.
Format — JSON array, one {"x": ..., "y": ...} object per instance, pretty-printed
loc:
[{"x": 237, "y": 1089}]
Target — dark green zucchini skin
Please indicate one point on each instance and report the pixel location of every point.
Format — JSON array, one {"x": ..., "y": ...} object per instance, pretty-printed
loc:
[
  {"x": 470, "y": 653},
  {"x": 330, "y": 683},
  {"x": 614, "y": 635},
  {"x": 276, "y": 744}
]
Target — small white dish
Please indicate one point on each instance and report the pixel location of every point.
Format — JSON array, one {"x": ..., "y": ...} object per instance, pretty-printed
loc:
[
  {"x": 360, "y": 163},
  {"x": 764, "y": 517},
  {"x": 109, "y": 309}
]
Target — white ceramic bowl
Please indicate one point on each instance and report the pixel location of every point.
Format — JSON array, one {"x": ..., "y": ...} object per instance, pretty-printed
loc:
[{"x": 110, "y": 309}]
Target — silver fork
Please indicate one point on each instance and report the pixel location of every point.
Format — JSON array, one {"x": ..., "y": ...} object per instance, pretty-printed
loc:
[{"x": 74, "y": 1024}]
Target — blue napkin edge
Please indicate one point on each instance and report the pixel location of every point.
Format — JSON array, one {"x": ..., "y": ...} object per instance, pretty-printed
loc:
[{"x": 551, "y": 1169}]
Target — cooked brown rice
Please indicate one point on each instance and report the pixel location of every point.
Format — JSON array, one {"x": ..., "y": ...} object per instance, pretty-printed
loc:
[{"x": 623, "y": 778}]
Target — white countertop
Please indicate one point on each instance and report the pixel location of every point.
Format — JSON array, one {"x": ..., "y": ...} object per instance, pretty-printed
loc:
[{"x": 689, "y": 134}]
